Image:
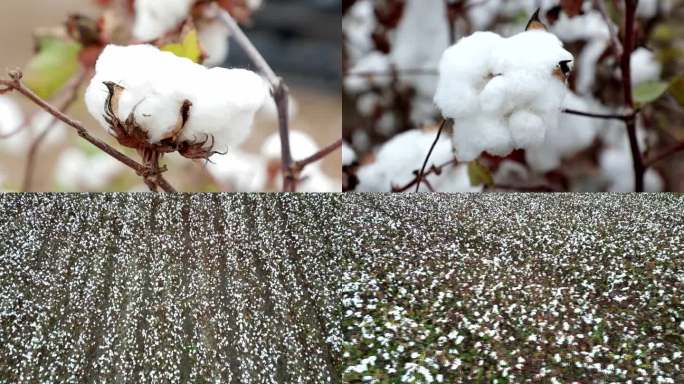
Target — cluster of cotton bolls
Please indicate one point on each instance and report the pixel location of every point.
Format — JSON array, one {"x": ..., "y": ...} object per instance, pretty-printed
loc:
[
  {"x": 406, "y": 152},
  {"x": 501, "y": 92},
  {"x": 156, "y": 85},
  {"x": 244, "y": 171},
  {"x": 155, "y": 18}
]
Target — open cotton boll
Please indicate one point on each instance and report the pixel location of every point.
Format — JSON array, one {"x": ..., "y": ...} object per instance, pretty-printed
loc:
[
  {"x": 373, "y": 63},
  {"x": 358, "y": 25},
  {"x": 348, "y": 154},
  {"x": 154, "y": 18},
  {"x": 156, "y": 84},
  {"x": 645, "y": 66},
  {"x": 573, "y": 134},
  {"x": 11, "y": 118},
  {"x": 242, "y": 171},
  {"x": 399, "y": 157},
  {"x": 225, "y": 102},
  {"x": 501, "y": 92},
  {"x": 213, "y": 36},
  {"x": 76, "y": 171},
  {"x": 589, "y": 27},
  {"x": 301, "y": 146},
  {"x": 616, "y": 166}
]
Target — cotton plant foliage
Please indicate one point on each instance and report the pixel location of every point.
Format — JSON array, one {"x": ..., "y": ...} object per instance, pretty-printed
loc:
[
  {"x": 157, "y": 84},
  {"x": 502, "y": 93}
]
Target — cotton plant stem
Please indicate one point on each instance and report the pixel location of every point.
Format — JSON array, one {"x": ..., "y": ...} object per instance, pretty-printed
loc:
[
  {"x": 71, "y": 90},
  {"x": 625, "y": 64},
  {"x": 279, "y": 92},
  {"x": 16, "y": 84},
  {"x": 427, "y": 158}
]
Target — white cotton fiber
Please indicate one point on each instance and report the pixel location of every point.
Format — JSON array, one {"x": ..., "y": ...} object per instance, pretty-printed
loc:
[
  {"x": 213, "y": 37},
  {"x": 157, "y": 83},
  {"x": 398, "y": 158},
  {"x": 241, "y": 172},
  {"x": 573, "y": 134},
  {"x": 645, "y": 66},
  {"x": 501, "y": 92},
  {"x": 348, "y": 154},
  {"x": 154, "y": 18}
]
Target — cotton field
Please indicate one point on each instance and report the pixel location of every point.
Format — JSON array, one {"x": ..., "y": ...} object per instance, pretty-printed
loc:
[
  {"x": 519, "y": 288},
  {"x": 191, "y": 288}
]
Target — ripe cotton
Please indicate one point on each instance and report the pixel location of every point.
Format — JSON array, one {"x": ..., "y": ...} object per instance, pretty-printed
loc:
[
  {"x": 399, "y": 157},
  {"x": 501, "y": 92},
  {"x": 153, "y": 18},
  {"x": 157, "y": 83}
]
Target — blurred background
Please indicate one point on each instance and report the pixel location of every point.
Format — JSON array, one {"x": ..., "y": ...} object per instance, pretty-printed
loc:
[
  {"x": 390, "y": 60},
  {"x": 299, "y": 38}
]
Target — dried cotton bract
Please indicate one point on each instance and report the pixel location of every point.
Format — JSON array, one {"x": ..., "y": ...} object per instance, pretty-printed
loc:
[
  {"x": 170, "y": 103},
  {"x": 503, "y": 93}
]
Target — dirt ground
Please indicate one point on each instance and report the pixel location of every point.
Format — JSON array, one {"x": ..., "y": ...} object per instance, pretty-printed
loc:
[{"x": 319, "y": 111}]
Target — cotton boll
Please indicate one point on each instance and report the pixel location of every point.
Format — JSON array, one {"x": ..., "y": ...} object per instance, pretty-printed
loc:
[
  {"x": 301, "y": 146},
  {"x": 647, "y": 9},
  {"x": 399, "y": 157},
  {"x": 373, "y": 63},
  {"x": 154, "y": 18},
  {"x": 527, "y": 129},
  {"x": 242, "y": 171},
  {"x": 225, "y": 115},
  {"x": 616, "y": 161},
  {"x": 213, "y": 36},
  {"x": 589, "y": 27},
  {"x": 456, "y": 180},
  {"x": 501, "y": 93},
  {"x": 155, "y": 86},
  {"x": 348, "y": 154},
  {"x": 645, "y": 66},
  {"x": 616, "y": 166},
  {"x": 75, "y": 171},
  {"x": 573, "y": 134},
  {"x": 11, "y": 118},
  {"x": 358, "y": 25}
]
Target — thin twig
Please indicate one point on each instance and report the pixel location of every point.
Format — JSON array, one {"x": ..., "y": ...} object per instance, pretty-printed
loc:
[
  {"x": 427, "y": 158},
  {"x": 279, "y": 91},
  {"x": 16, "y": 84},
  {"x": 612, "y": 28},
  {"x": 435, "y": 169},
  {"x": 625, "y": 60},
  {"x": 319, "y": 155},
  {"x": 679, "y": 147},
  {"x": 601, "y": 115},
  {"x": 71, "y": 90}
]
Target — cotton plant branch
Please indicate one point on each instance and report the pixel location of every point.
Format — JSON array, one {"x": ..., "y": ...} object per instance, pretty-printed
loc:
[
  {"x": 630, "y": 116},
  {"x": 16, "y": 84},
  {"x": 299, "y": 165},
  {"x": 427, "y": 157},
  {"x": 418, "y": 179},
  {"x": 676, "y": 148},
  {"x": 280, "y": 94},
  {"x": 71, "y": 95}
]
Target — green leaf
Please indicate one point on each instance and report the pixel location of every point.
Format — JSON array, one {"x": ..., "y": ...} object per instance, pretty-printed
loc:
[
  {"x": 676, "y": 89},
  {"x": 189, "y": 47},
  {"x": 649, "y": 91},
  {"x": 51, "y": 68},
  {"x": 479, "y": 174}
]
